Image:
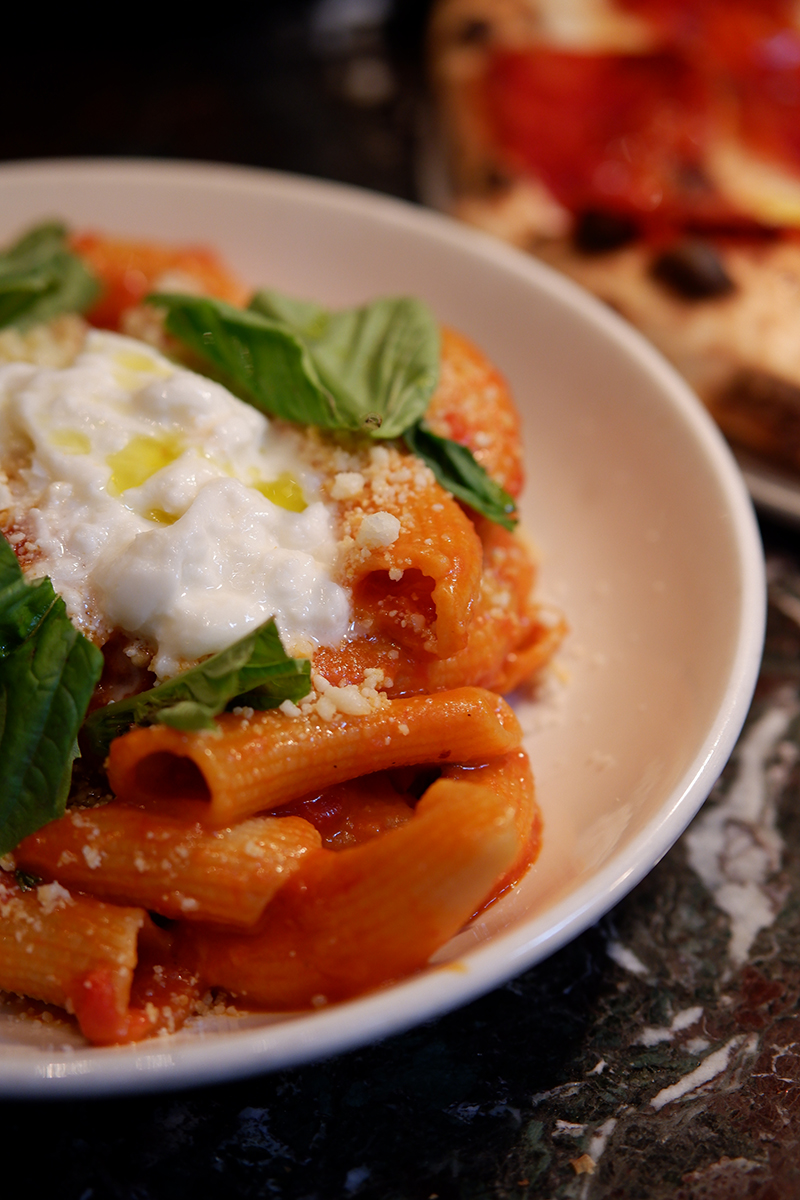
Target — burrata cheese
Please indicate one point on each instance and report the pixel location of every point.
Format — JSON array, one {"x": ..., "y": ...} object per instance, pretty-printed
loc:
[{"x": 162, "y": 505}]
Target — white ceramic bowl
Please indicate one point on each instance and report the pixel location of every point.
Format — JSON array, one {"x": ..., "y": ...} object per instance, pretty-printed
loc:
[{"x": 647, "y": 542}]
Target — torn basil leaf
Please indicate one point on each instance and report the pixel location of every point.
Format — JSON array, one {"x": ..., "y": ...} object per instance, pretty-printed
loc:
[
  {"x": 457, "y": 470},
  {"x": 48, "y": 672},
  {"x": 254, "y": 671},
  {"x": 22, "y": 604},
  {"x": 40, "y": 278},
  {"x": 379, "y": 361},
  {"x": 370, "y": 370},
  {"x": 265, "y": 363}
]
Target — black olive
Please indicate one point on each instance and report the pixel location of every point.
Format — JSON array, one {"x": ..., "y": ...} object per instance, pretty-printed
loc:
[
  {"x": 474, "y": 33},
  {"x": 754, "y": 391},
  {"x": 597, "y": 232},
  {"x": 692, "y": 270},
  {"x": 496, "y": 180},
  {"x": 758, "y": 400}
]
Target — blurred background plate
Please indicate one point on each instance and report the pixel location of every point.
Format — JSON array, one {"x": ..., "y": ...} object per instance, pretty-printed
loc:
[{"x": 776, "y": 492}]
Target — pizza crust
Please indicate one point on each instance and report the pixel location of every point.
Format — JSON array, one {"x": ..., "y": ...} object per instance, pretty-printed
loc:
[{"x": 739, "y": 350}]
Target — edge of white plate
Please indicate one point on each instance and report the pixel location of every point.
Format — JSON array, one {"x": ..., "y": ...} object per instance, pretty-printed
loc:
[{"x": 199, "y": 1059}]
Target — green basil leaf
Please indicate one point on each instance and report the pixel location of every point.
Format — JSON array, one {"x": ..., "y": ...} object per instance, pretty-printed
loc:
[
  {"x": 40, "y": 277},
  {"x": 19, "y": 295},
  {"x": 45, "y": 687},
  {"x": 188, "y": 716},
  {"x": 457, "y": 470},
  {"x": 265, "y": 362},
  {"x": 380, "y": 362},
  {"x": 22, "y": 604},
  {"x": 255, "y": 665},
  {"x": 37, "y": 245},
  {"x": 370, "y": 370}
]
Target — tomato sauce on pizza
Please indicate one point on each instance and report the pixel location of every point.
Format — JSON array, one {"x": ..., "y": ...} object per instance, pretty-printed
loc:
[{"x": 630, "y": 132}]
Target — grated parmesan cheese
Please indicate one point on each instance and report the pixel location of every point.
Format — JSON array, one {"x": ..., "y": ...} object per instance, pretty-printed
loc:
[
  {"x": 92, "y": 856},
  {"x": 377, "y": 530},
  {"x": 347, "y": 485},
  {"x": 53, "y": 896},
  {"x": 327, "y": 701}
]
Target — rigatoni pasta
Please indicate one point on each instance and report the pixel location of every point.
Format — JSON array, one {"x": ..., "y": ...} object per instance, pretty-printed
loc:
[
  {"x": 171, "y": 866},
  {"x": 298, "y": 778},
  {"x": 371, "y": 914},
  {"x": 54, "y": 943},
  {"x": 261, "y": 762}
]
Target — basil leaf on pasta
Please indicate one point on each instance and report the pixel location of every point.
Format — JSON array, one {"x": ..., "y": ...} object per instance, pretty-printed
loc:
[
  {"x": 370, "y": 370},
  {"x": 457, "y": 470},
  {"x": 380, "y": 362},
  {"x": 187, "y": 715},
  {"x": 265, "y": 362},
  {"x": 254, "y": 671},
  {"x": 47, "y": 675},
  {"x": 22, "y": 604},
  {"x": 40, "y": 277}
]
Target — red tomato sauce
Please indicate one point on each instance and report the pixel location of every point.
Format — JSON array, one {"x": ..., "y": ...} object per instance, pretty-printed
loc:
[{"x": 629, "y": 132}]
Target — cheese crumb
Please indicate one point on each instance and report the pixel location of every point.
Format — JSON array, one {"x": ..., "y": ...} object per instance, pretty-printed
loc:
[
  {"x": 326, "y": 701},
  {"x": 350, "y": 701},
  {"x": 326, "y": 708},
  {"x": 377, "y": 530},
  {"x": 347, "y": 485},
  {"x": 52, "y": 896},
  {"x": 93, "y": 857},
  {"x": 8, "y": 863}
]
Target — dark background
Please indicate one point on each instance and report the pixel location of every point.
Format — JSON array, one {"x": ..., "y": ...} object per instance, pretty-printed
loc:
[{"x": 322, "y": 88}]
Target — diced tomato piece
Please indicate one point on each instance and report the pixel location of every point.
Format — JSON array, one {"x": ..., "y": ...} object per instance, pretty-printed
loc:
[{"x": 128, "y": 270}]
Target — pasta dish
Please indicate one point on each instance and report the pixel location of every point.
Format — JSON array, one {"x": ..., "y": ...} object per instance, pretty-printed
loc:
[{"x": 261, "y": 596}]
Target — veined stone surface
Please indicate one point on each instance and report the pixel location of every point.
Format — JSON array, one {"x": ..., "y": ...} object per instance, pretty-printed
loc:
[{"x": 656, "y": 1057}]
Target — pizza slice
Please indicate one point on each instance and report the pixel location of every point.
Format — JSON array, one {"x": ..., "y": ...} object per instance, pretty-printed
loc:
[{"x": 651, "y": 150}]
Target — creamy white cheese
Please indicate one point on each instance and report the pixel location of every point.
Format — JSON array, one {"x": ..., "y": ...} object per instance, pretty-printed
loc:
[{"x": 162, "y": 505}]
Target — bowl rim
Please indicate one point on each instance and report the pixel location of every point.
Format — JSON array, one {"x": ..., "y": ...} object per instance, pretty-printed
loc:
[{"x": 211, "y": 1058}]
